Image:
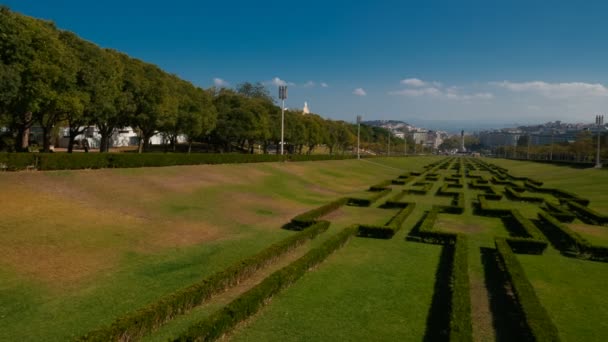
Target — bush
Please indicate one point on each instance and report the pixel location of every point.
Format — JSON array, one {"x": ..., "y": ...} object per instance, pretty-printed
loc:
[
  {"x": 528, "y": 239},
  {"x": 310, "y": 217},
  {"x": 17, "y": 161},
  {"x": 391, "y": 227},
  {"x": 460, "y": 309},
  {"x": 537, "y": 321},
  {"x": 586, "y": 214},
  {"x": 485, "y": 209},
  {"x": 559, "y": 212},
  {"x": 366, "y": 202},
  {"x": 72, "y": 161},
  {"x": 514, "y": 195},
  {"x": 224, "y": 320},
  {"x": 427, "y": 232},
  {"x": 138, "y": 323},
  {"x": 570, "y": 242}
]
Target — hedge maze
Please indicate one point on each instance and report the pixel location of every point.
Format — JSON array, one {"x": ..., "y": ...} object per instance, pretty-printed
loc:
[{"x": 473, "y": 187}]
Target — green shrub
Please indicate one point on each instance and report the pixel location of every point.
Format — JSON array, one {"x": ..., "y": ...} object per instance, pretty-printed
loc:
[
  {"x": 570, "y": 242},
  {"x": 310, "y": 217},
  {"x": 391, "y": 227},
  {"x": 460, "y": 309},
  {"x": 136, "y": 324},
  {"x": 527, "y": 238},
  {"x": 17, "y": 161},
  {"x": 225, "y": 319},
  {"x": 536, "y": 319},
  {"x": 514, "y": 195},
  {"x": 366, "y": 202},
  {"x": 587, "y": 215},
  {"x": 559, "y": 212}
]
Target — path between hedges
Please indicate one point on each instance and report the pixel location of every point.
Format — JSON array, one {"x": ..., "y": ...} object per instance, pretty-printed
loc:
[{"x": 182, "y": 322}]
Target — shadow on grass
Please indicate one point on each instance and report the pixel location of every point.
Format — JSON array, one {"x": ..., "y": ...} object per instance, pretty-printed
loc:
[
  {"x": 506, "y": 314},
  {"x": 413, "y": 234},
  {"x": 438, "y": 318}
]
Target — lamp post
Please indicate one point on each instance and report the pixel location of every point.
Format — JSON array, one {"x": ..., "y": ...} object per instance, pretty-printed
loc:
[
  {"x": 282, "y": 96},
  {"x": 388, "y": 152},
  {"x": 599, "y": 121},
  {"x": 358, "y": 136}
]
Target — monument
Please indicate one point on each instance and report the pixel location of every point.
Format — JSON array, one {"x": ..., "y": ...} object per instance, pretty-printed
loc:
[
  {"x": 305, "y": 110},
  {"x": 462, "y": 149}
]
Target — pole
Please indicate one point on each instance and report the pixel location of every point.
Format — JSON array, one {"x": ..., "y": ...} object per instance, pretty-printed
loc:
[
  {"x": 282, "y": 126},
  {"x": 389, "y": 144},
  {"x": 404, "y": 145},
  {"x": 358, "y": 136},
  {"x": 599, "y": 120},
  {"x": 282, "y": 96}
]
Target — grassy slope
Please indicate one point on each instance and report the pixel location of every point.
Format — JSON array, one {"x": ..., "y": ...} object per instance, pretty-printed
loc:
[{"x": 82, "y": 247}]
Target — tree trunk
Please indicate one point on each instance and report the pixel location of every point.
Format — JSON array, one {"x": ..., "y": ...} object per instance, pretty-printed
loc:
[
  {"x": 23, "y": 132},
  {"x": 106, "y": 132},
  {"x": 46, "y": 139},
  {"x": 189, "y": 146}
]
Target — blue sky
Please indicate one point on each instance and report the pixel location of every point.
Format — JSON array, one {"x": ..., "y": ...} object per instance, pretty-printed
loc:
[{"x": 433, "y": 63}]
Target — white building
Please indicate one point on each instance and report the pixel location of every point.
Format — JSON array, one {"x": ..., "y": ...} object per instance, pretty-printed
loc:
[{"x": 121, "y": 137}]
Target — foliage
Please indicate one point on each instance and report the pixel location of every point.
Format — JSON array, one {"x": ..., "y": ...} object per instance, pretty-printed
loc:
[{"x": 537, "y": 321}]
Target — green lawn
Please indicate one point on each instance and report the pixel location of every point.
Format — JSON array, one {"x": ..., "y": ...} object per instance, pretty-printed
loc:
[{"x": 371, "y": 290}]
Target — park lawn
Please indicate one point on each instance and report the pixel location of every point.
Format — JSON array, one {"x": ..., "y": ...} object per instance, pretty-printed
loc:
[
  {"x": 83, "y": 247},
  {"x": 597, "y": 235},
  {"x": 370, "y": 290},
  {"x": 574, "y": 293}
]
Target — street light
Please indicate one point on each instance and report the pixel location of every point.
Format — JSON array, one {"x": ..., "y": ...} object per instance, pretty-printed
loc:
[
  {"x": 388, "y": 152},
  {"x": 282, "y": 96},
  {"x": 599, "y": 121},
  {"x": 358, "y": 136}
]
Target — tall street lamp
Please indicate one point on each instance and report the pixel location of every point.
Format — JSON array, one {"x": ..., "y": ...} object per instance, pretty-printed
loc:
[
  {"x": 599, "y": 121},
  {"x": 282, "y": 96},
  {"x": 358, "y": 136}
]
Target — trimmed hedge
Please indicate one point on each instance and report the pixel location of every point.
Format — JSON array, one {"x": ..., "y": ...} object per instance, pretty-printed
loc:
[
  {"x": 559, "y": 212},
  {"x": 366, "y": 202},
  {"x": 485, "y": 209},
  {"x": 225, "y": 319},
  {"x": 528, "y": 239},
  {"x": 461, "y": 327},
  {"x": 391, "y": 227},
  {"x": 72, "y": 161},
  {"x": 569, "y": 241},
  {"x": 138, "y": 323},
  {"x": 587, "y": 215},
  {"x": 17, "y": 161},
  {"x": 514, "y": 195},
  {"x": 427, "y": 233},
  {"x": 310, "y": 217},
  {"x": 380, "y": 186},
  {"x": 536, "y": 319}
]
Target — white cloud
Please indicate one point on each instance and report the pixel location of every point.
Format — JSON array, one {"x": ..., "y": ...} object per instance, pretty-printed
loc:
[
  {"x": 437, "y": 91},
  {"x": 324, "y": 85},
  {"x": 359, "y": 92},
  {"x": 220, "y": 83},
  {"x": 413, "y": 82},
  {"x": 309, "y": 84},
  {"x": 555, "y": 90},
  {"x": 279, "y": 82}
]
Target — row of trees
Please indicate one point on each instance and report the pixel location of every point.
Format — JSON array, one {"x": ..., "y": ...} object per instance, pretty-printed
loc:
[
  {"x": 51, "y": 78},
  {"x": 583, "y": 149}
]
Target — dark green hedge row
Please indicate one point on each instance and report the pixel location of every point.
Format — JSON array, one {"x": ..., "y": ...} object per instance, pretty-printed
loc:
[
  {"x": 17, "y": 161},
  {"x": 461, "y": 327},
  {"x": 559, "y": 212},
  {"x": 391, "y": 227},
  {"x": 394, "y": 201},
  {"x": 366, "y": 202},
  {"x": 570, "y": 242},
  {"x": 72, "y": 161},
  {"x": 562, "y": 195},
  {"x": 427, "y": 232},
  {"x": 138, "y": 323},
  {"x": 224, "y": 320},
  {"x": 587, "y": 215},
  {"x": 537, "y": 321},
  {"x": 514, "y": 195},
  {"x": 310, "y": 217},
  {"x": 485, "y": 209},
  {"x": 380, "y": 186},
  {"x": 444, "y": 190},
  {"x": 527, "y": 238},
  {"x": 398, "y": 181}
]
